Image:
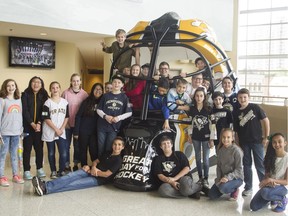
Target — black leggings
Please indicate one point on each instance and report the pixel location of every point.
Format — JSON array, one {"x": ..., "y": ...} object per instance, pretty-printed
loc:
[{"x": 33, "y": 139}]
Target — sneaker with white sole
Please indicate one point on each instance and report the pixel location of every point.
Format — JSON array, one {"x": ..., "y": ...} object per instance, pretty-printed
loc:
[
  {"x": 247, "y": 192},
  {"x": 273, "y": 204},
  {"x": 17, "y": 179},
  {"x": 27, "y": 175},
  {"x": 234, "y": 195},
  {"x": 39, "y": 186},
  {"x": 41, "y": 173},
  {"x": 53, "y": 175},
  {"x": 281, "y": 205},
  {"x": 4, "y": 182}
]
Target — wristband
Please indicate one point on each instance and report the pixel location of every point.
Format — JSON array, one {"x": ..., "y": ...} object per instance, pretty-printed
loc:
[{"x": 104, "y": 117}]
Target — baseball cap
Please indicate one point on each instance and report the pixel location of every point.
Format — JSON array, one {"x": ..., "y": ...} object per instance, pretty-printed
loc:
[{"x": 117, "y": 76}]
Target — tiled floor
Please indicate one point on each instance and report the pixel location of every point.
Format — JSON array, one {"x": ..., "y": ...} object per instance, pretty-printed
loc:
[{"x": 108, "y": 200}]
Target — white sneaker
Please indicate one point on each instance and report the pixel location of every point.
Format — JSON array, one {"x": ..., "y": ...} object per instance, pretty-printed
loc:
[
  {"x": 27, "y": 175},
  {"x": 41, "y": 173}
]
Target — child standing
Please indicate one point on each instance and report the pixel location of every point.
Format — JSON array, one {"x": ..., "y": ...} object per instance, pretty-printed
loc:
[
  {"x": 229, "y": 167},
  {"x": 274, "y": 186},
  {"x": 248, "y": 128},
  {"x": 158, "y": 100},
  {"x": 117, "y": 47},
  {"x": 134, "y": 89},
  {"x": 222, "y": 117},
  {"x": 10, "y": 128},
  {"x": 33, "y": 99},
  {"x": 113, "y": 108},
  {"x": 178, "y": 99},
  {"x": 199, "y": 136},
  {"x": 75, "y": 95},
  {"x": 86, "y": 124},
  {"x": 230, "y": 96},
  {"x": 55, "y": 114}
]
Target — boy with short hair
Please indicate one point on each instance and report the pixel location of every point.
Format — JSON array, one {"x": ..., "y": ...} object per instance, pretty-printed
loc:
[
  {"x": 113, "y": 108},
  {"x": 158, "y": 100},
  {"x": 117, "y": 47},
  {"x": 247, "y": 125},
  {"x": 178, "y": 99},
  {"x": 221, "y": 116}
]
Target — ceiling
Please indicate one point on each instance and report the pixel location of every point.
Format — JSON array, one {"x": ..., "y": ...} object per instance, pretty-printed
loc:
[{"x": 87, "y": 43}]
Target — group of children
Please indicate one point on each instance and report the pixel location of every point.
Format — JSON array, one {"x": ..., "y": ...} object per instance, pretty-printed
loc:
[{"x": 94, "y": 121}]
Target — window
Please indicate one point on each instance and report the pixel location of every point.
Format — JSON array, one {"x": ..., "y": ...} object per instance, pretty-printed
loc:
[{"x": 263, "y": 47}]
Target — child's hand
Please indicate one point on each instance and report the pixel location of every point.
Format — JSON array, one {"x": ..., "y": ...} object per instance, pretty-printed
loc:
[
  {"x": 59, "y": 132},
  {"x": 183, "y": 74},
  {"x": 109, "y": 118},
  {"x": 179, "y": 102},
  {"x": 115, "y": 119},
  {"x": 211, "y": 144},
  {"x": 166, "y": 125},
  {"x": 103, "y": 44},
  {"x": 224, "y": 180},
  {"x": 86, "y": 168},
  {"x": 156, "y": 77}
]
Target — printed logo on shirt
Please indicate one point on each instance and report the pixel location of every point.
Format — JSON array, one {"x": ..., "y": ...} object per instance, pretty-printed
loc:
[
  {"x": 219, "y": 115},
  {"x": 114, "y": 104},
  {"x": 200, "y": 121},
  {"x": 168, "y": 166},
  {"x": 14, "y": 108},
  {"x": 245, "y": 118}
]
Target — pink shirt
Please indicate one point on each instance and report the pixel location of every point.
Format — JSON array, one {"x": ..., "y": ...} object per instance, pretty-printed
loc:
[{"x": 74, "y": 102}]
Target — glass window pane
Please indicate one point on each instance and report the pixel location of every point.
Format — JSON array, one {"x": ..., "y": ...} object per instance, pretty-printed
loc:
[
  {"x": 242, "y": 50},
  {"x": 279, "y": 31},
  {"x": 257, "y": 64},
  {"x": 279, "y": 47},
  {"x": 279, "y": 64},
  {"x": 243, "y": 5},
  {"x": 258, "y": 47},
  {"x": 279, "y": 3},
  {"x": 242, "y": 33},
  {"x": 258, "y": 32},
  {"x": 279, "y": 16},
  {"x": 259, "y": 18},
  {"x": 242, "y": 19}
]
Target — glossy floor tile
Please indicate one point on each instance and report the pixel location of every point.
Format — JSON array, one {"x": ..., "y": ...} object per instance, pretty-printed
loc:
[{"x": 108, "y": 200}]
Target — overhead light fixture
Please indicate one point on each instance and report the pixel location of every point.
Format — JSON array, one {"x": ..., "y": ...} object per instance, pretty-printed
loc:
[{"x": 43, "y": 34}]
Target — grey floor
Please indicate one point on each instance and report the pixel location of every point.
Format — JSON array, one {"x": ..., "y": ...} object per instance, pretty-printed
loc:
[{"x": 107, "y": 200}]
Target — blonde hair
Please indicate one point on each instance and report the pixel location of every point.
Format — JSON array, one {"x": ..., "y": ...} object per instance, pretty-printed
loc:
[{"x": 74, "y": 75}]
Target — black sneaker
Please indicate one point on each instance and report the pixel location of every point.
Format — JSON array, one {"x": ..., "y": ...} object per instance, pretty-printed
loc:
[
  {"x": 67, "y": 169},
  {"x": 195, "y": 195},
  {"x": 205, "y": 190},
  {"x": 39, "y": 186},
  {"x": 75, "y": 168}
]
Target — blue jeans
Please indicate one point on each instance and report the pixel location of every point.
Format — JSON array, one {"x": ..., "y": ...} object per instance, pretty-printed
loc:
[
  {"x": 217, "y": 191},
  {"x": 267, "y": 194},
  {"x": 206, "y": 151},
  {"x": 61, "y": 145},
  {"x": 105, "y": 140},
  {"x": 258, "y": 155},
  {"x": 10, "y": 143},
  {"x": 72, "y": 181},
  {"x": 76, "y": 153}
]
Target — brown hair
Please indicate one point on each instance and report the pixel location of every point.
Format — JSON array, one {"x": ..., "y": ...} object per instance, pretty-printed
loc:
[
  {"x": 243, "y": 91},
  {"x": 74, "y": 75},
  {"x": 3, "y": 91}
]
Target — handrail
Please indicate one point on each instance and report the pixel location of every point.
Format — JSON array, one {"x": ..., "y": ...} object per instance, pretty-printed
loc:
[{"x": 285, "y": 99}]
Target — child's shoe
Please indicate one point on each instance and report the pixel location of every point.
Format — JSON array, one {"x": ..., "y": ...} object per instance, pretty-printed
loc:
[
  {"x": 41, "y": 173},
  {"x": 273, "y": 204},
  {"x": 4, "y": 182},
  {"x": 53, "y": 175},
  {"x": 234, "y": 195},
  {"x": 17, "y": 179},
  {"x": 281, "y": 205},
  {"x": 27, "y": 175},
  {"x": 39, "y": 186}
]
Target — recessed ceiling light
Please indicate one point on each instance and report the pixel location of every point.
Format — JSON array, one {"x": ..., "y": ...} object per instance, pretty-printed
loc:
[{"x": 43, "y": 34}]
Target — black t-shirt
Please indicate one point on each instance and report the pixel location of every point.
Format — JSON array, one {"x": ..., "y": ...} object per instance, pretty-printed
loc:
[
  {"x": 223, "y": 118},
  {"x": 200, "y": 123},
  {"x": 170, "y": 166},
  {"x": 248, "y": 125},
  {"x": 109, "y": 162}
]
